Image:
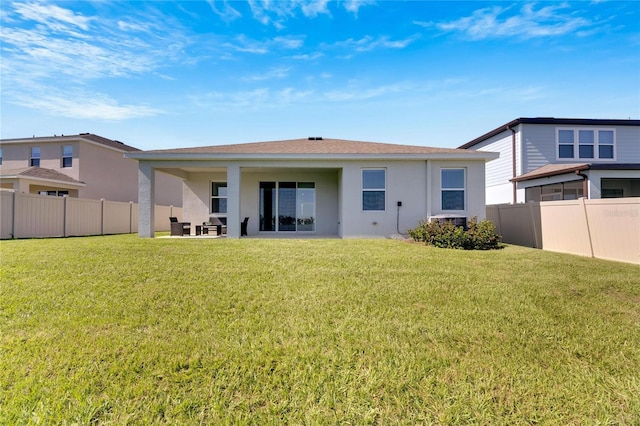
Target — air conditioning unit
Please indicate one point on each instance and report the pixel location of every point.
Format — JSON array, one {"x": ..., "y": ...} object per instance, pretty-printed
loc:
[{"x": 457, "y": 220}]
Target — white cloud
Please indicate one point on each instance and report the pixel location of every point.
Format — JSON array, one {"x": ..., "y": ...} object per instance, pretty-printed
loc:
[
  {"x": 76, "y": 103},
  {"x": 354, "y": 6},
  {"x": 226, "y": 12},
  {"x": 274, "y": 73},
  {"x": 369, "y": 43},
  {"x": 528, "y": 22},
  {"x": 51, "y": 15}
]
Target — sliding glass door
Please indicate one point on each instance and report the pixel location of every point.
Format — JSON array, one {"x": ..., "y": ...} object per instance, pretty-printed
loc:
[{"x": 293, "y": 204}]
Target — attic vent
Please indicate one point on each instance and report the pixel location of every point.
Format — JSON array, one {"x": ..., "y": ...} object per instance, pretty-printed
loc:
[{"x": 315, "y": 138}]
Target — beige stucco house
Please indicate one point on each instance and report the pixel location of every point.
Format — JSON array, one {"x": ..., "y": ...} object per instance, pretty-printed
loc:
[
  {"x": 316, "y": 186},
  {"x": 83, "y": 166}
]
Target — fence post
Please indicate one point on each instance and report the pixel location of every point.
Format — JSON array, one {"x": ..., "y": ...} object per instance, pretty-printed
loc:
[
  {"x": 101, "y": 216},
  {"x": 64, "y": 217},
  {"x": 586, "y": 219},
  {"x": 533, "y": 227},
  {"x": 131, "y": 217},
  {"x": 13, "y": 216}
]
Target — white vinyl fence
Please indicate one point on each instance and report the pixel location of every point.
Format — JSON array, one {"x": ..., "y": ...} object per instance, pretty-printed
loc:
[
  {"x": 39, "y": 216},
  {"x": 604, "y": 228}
]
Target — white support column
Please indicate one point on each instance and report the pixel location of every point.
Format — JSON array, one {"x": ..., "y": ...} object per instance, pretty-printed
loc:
[
  {"x": 233, "y": 201},
  {"x": 146, "y": 200}
]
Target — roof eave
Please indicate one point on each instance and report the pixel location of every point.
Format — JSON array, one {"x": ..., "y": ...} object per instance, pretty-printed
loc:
[{"x": 472, "y": 155}]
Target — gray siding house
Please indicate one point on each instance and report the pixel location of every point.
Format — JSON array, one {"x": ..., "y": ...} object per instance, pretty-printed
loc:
[{"x": 544, "y": 159}]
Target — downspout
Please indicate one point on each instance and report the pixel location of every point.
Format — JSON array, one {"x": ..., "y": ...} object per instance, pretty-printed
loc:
[
  {"x": 513, "y": 163},
  {"x": 585, "y": 184}
]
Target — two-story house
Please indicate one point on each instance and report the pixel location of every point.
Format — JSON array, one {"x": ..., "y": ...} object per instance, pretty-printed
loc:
[
  {"x": 544, "y": 159},
  {"x": 83, "y": 166}
]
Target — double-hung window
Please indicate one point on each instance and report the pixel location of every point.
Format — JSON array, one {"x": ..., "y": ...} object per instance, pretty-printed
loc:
[
  {"x": 67, "y": 156},
  {"x": 453, "y": 189},
  {"x": 585, "y": 144},
  {"x": 35, "y": 156},
  {"x": 374, "y": 184}
]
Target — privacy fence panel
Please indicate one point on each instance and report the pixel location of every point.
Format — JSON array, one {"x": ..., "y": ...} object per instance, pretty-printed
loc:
[
  {"x": 118, "y": 217},
  {"x": 84, "y": 217},
  {"x": 34, "y": 216},
  {"x": 38, "y": 216},
  {"x": 604, "y": 228},
  {"x": 6, "y": 214}
]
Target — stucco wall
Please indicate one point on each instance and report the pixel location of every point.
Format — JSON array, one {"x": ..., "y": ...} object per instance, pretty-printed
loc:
[{"x": 416, "y": 184}]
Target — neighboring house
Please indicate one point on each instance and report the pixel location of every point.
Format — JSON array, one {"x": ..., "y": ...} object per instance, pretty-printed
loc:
[
  {"x": 326, "y": 187},
  {"x": 544, "y": 159},
  {"x": 84, "y": 166}
]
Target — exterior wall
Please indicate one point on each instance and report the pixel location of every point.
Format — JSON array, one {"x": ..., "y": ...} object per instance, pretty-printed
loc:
[
  {"x": 474, "y": 188},
  {"x": 406, "y": 182},
  {"x": 539, "y": 145},
  {"x": 499, "y": 171},
  {"x": 596, "y": 176},
  {"x": 416, "y": 184}
]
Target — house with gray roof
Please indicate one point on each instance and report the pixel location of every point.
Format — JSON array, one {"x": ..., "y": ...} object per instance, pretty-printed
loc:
[
  {"x": 316, "y": 186},
  {"x": 84, "y": 166},
  {"x": 546, "y": 159}
]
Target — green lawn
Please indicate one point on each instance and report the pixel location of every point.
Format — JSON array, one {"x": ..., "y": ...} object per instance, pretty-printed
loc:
[{"x": 122, "y": 330}]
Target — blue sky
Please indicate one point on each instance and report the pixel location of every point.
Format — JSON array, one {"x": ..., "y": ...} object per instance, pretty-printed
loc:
[{"x": 166, "y": 74}]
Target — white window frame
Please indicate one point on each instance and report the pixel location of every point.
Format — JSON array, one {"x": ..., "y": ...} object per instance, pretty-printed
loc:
[
  {"x": 463, "y": 189},
  {"x": 217, "y": 197},
  {"x": 363, "y": 189},
  {"x": 32, "y": 158},
  {"x": 576, "y": 144},
  {"x": 70, "y": 157}
]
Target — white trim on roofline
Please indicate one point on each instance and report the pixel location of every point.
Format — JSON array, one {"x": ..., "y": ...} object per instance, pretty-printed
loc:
[{"x": 39, "y": 179}]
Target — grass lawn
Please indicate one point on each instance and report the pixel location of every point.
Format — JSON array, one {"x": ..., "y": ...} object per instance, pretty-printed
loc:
[{"x": 122, "y": 330}]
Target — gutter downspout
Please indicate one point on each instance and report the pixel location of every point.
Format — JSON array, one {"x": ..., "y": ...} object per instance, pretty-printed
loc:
[
  {"x": 513, "y": 163},
  {"x": 585, "y": 184}
]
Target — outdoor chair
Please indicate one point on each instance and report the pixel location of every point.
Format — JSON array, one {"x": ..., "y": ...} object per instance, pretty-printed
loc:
[
  {"x": 243, "y": 226},
  {"x": 179, "y": 228}
]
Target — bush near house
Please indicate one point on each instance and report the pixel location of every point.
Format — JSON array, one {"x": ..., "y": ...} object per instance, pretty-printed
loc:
[{"x": 478, "y": 235}]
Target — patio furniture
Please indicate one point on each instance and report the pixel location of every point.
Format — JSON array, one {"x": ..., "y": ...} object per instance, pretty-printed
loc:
[
  {"x": 213, "y": 222},
  {"x": 179, "y": 228},
  {"x": 243, "y": 226}
]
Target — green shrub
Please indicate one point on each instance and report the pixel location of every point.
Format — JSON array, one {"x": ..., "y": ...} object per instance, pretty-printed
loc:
[{"x": 478, "y": 235}]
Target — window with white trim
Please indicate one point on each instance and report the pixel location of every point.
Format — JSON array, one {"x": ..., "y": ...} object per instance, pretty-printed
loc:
[
  {"x": 374, "y": 188},
  {"x": 585, "y": 144},
  {"x": 35, "y": 156},
  {"x": 219, "y": 198},
  {"x": 452, "y": 186},
  {"x": 67, "y": 155}
]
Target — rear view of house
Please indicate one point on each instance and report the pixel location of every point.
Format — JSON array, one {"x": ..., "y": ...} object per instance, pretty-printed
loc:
[
  {"x": 545, "y": 159},
  {"x": 317, "y": 186}
]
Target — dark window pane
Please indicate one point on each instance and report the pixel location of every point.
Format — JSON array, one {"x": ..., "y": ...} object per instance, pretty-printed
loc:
[
  {"x": 452, "y": 200},
  {"x": 67, "y": 162},
  {"x": 605, "y": 151},
  {"x": 565, "y": 151},
  {"x": 373, "y": 200},
  {"x": 586, "y": 151},
  {"x": 373, "y": 179},
  {"x": 35, "y": 162}
]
